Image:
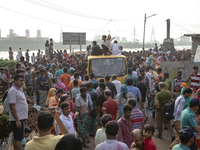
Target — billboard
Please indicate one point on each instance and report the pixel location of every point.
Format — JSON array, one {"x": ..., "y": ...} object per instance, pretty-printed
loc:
[{"x": 72, "y": 38}]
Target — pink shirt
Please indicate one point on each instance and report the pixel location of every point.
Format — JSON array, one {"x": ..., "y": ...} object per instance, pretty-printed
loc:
[{"x": 124, "y": 132}]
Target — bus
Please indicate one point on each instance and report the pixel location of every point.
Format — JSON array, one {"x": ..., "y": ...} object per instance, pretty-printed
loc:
[{"x": 103, "y": 65}]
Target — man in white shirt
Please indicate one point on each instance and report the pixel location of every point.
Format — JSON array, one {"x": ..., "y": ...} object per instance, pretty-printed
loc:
[
  {"x": 168, "y": 52},
  {"x": 106, "y": 42},
  {"x": 19, "y": 53},
  {"x": 33, "y": 58},
  {"x": 111, "y": 143},
  {"x": 47, "y": 52},
  {"x": 178, "y": 108},
  {"x": 116, "y": 83},
  {"x": 115, "y": 48}
]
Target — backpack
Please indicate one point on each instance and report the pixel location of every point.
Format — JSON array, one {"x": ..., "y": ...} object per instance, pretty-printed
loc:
[{"x": 169, "y": 110}]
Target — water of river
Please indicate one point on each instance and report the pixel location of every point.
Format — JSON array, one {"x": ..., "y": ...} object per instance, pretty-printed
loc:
[{"x": 5, "y": 55}]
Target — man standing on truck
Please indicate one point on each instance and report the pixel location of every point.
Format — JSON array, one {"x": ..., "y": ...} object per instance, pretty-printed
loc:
[{"x": 105, "y": 43}]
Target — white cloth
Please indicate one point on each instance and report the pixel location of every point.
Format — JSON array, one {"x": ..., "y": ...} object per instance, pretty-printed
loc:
[
  {"x": 19, "y": 54},
  {"x": 86, "y": 54},
  {"x": 107, "y": 43},
  {"x": 112, "y": 145},
  {"x": 178, "y": 107},
  {"x": 100, "y": 136},
  {"x": 168, "y": 53},
  {"x": 68, "y": 122},
  {"x": 50, "y": 75},
  {"x": 33, "y": 59},
  {"x": 148, "y": 74},
  {"x": 115, "y": 49},
  {"x": 72, "y": 78},
  {"x": 117, "y": 85},
  {"x": 134, "y": 73}
]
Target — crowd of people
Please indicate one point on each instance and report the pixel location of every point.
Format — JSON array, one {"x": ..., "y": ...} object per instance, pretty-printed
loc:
[{"x": 73, "y": 105}]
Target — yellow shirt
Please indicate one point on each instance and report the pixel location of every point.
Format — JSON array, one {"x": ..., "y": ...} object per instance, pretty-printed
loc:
[{"x": 47, "y": 142}]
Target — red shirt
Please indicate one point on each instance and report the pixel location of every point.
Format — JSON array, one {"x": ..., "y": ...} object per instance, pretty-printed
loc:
[
  {"x": 149, "y": 144},
  {"x": 110, "y": 107},
  {"x": 70, "y": 60}
]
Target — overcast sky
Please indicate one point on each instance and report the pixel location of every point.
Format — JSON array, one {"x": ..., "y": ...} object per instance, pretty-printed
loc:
[{"x": 98, "y": 17}]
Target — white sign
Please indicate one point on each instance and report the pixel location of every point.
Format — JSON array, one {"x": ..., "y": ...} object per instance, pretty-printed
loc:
[
  {"x": 197, "y": 55},
  {"x": 74, "y": 38}
]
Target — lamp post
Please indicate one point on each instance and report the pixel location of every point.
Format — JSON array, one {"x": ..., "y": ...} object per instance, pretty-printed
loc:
[{"x": 145, "y": 18}]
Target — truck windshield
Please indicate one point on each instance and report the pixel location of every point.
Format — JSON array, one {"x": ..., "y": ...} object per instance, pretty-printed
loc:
[{"x": 108, "y": 66}]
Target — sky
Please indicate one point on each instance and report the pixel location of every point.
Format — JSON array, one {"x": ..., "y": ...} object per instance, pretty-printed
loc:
[{"x": 100, "y": 17}]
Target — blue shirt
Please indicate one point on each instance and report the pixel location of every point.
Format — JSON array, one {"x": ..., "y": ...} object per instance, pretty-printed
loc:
[
  {"x": 94, "y": 81},
  {"x": 68, "y": 71},
  {"x": 59, "y": 73},
  {"x": 135, "y": 91},
  {"x": 148, "y": 61},
  {"x": 42, "y": 79},
  {"x": 180, "y": 147},
  {"x": 132, "y": 77}
]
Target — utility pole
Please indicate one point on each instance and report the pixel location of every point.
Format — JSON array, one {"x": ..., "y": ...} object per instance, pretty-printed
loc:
[
  {"x": 134, "y": 35},
  {"x": 153, "y": 38}
]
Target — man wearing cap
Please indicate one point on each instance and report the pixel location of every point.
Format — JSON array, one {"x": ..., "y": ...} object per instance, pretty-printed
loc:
[
  {"x": 188, "y": 119},
  {"x": 186, "y": 135}
]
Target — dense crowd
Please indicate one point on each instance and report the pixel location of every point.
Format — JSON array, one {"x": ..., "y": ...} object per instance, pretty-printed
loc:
[{"x": 73, "y": 105}]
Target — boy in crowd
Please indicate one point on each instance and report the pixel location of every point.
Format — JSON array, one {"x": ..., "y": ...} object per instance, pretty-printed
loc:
[
  {"x": 75, "y": 90},
  {"x": 101, "y": 134},
  {"x": 148, "y": 142},
  {"x": 26, "y": 135}
]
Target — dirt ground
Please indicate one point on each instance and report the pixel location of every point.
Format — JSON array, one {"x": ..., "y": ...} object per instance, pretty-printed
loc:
[{"x": 162, "y": 144}]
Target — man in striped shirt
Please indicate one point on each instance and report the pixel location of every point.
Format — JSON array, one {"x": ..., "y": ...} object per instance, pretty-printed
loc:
[
  {"x": 137, "y": 118},
  {"x": 194, "y": 77}
]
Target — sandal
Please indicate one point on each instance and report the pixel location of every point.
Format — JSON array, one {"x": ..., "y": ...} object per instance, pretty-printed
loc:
[{"x": 157, "y": 136}]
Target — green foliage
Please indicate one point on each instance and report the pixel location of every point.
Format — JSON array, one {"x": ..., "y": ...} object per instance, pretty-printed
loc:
[{"x": 7, "y": 63}]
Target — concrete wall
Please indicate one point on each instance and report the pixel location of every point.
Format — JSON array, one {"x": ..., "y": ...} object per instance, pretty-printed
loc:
[{"x": 173, "y": 67}]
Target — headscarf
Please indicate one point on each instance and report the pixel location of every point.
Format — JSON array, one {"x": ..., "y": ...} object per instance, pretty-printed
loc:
[
  {"x": 198, "y": 94},
  {"x": 183, "y": 84},
  {"x": 124, "y": 90},
  {"x": 60, "y": 85},
  {"x": 51, "y": 92}
]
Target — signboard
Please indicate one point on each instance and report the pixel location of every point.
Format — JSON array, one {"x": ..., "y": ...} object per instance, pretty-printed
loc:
[
  {"x": 197, "y": 55},
  {"x": 72, "y": 38}
]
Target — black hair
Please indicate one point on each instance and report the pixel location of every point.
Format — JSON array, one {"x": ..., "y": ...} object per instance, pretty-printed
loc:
[
  {"x": 19, "y": 71},
  {"x": 59, "y": 91},
  {"x": 16, "y": 77},
  {"x": 134, "y": 68},
  {"x": 95, "y": 85},
  {"x": 115, "y": 41},
  {"x": 179, "y": 72},
  {"x": 83, "y": 89},
  {"x": 147, "y": 69},
  {"x": 22, "y": 58},
  {"x": 82, "y": 85},
  {"x": 86, "y": 77},
  {"x": 129, "y": 71},
  {"x": 187, "y": 90},
  {"x": 42, "y": 70},
  {"x": 27, "y": 130},
  {"x": 127, "y": 108},
  {"x": 65, "y": 70},
  {"x": 102, "y": 85},
  {"x": 112, "y": 128},
  {"x": 139, "y": 78},
  {"x": 114, "y": 77},
  {"x": 107, "y": 77},
  {"x": 129, "y": 81},
  {"x": 76, "y": 75},
  {"x": 28, "y": 68},
  {"x": 60, "y": 66},
  {"x": 196, "y": 87},
  {"x": 166, "y": 75},
  {"x": 105, "y": 119},
  {"x": 64, "y": 105},
  {"x": 149, "y": 127},
  {"x": 101, "y": 80},
  {"x": 108, "y": 93},
  {"x": 88, "y": 85},
  {"x": 91, "y": 75},
  {"x": 17, "y": 65},
  {"x": 195, "y": 67},
  {"x": 69, "y": 142},
  {"x": 75, "y": 82},
  {"x": 184, "y": 139},
  {"x": 45, "y": 120},
  {"x": 132, "y": 102},
  {"x": 159, "y": 70}
]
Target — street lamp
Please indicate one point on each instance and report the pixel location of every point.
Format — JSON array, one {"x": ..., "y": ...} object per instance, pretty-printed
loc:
[{"x": 145, "y": 18}]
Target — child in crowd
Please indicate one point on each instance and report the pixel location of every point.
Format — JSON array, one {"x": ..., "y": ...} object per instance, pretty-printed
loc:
[
  {"x": 26, "y": 135},
  {"x": 148, "y": 141},
  {"x": 177, "y": 91},
  {"x": 194, "y": 94},
  {"x": 75, "y": 90}
]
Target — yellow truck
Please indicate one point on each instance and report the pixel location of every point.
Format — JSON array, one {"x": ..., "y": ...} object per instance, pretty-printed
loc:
[{"x": 102, "y": 65}]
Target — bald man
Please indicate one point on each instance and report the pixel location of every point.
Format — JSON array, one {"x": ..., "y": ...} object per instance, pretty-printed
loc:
[{"x": 137, "y": 138}]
